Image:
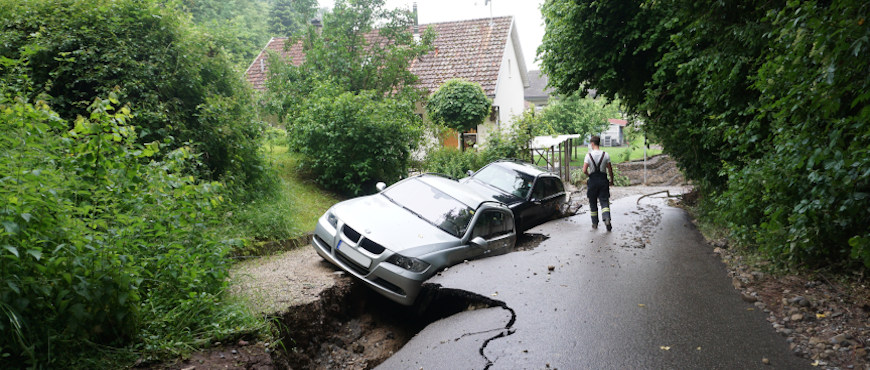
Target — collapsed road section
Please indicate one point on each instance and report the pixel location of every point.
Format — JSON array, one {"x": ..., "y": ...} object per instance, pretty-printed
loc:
[{"x": 351, "y": 327}]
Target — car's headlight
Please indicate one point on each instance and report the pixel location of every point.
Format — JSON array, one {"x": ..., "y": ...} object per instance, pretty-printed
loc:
[
  {"x": 332, "y": 219},
  {"x": 408, "y": 263}
]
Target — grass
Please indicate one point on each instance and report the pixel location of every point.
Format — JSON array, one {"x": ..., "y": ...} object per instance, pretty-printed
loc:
[
  {"x": 618, "y": 154},
  {"x": 310, "y": 202},
  {"x": 289, "y": 210}
]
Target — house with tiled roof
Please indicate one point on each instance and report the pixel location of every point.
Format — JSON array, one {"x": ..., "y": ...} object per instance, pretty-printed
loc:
[
  {"x": 537, "y": 94},
  {"x": 486, "y": 51}
]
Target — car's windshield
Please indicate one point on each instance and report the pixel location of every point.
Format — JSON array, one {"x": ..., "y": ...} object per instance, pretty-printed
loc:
[
  {"x": 433, "y": 205},
  {"x": 507, "y": 180}
]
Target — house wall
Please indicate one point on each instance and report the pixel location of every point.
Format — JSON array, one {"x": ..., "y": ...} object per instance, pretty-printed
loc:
[
  {"x": 509, "y": 94},
  {"x": 613, "y": 136}
]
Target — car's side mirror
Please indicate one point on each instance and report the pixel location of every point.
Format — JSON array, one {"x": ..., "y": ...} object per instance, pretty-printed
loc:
[
  {"x": 380, "y": 186},
  {"x": 470, "y": 172},
  {"x": 479, "y": 242}
]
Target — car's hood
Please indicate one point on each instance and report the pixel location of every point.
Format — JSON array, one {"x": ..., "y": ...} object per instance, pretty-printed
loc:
[
  {"x": 384, "y": 222},
  {"x": 491, "y": 191}
]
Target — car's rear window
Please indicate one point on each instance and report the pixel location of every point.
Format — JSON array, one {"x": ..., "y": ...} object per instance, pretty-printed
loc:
[
  {"x": 509, "y": 181},
  {"x": 432, "y": 204}
]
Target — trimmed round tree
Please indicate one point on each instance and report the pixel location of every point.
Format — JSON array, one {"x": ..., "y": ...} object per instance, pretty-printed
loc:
[{"x": 460, "y": 105}]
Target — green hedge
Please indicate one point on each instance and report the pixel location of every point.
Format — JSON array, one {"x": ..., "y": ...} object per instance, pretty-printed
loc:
[
  {"x": 99, "y": 246},
  {"x": 176, "y": 76}
]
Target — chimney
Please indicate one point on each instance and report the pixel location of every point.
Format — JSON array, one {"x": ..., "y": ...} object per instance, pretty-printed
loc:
[
  {"x": 318, "y": 26},
  {"x": 416, "y": 24}
]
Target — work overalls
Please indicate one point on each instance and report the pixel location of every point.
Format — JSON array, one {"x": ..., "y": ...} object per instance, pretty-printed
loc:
[{"x": 598, "y": 189}]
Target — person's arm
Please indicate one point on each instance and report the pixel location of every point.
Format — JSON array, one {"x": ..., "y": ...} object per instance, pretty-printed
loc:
[
  {"x": 610, "y": 173},
  {"x": 586, "y": 167}
]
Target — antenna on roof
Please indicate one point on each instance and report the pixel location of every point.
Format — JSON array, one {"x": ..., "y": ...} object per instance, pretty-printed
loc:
[{"x": 491, "y": 23}]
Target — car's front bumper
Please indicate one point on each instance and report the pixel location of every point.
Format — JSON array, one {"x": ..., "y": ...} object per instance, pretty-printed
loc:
[{"x": 389, "y": 280}]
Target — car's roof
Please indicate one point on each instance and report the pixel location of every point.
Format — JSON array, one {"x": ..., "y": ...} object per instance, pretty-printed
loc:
[
  {"x": 456, "y": 190},
  {"x": 521, "y": 167}
]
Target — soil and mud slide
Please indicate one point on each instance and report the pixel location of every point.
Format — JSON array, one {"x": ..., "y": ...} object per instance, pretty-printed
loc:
[{"x": 658, "y": 170}]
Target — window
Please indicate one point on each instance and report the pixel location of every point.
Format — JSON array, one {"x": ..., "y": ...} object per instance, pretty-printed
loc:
[
  {"x": 431, "y": 204},
  {"x": 547, "y": 187},
  {"x": 490, "y": 225}
]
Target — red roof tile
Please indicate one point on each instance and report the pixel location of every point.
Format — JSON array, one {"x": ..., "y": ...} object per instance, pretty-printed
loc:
[
  {"x": 258, "y": 70},
  {"x": 470, "y": 49}
]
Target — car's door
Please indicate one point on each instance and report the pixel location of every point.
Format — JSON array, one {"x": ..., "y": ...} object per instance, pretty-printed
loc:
[
  {"x": 496, "y": 226},
  {"x": 547, "y": 195}
]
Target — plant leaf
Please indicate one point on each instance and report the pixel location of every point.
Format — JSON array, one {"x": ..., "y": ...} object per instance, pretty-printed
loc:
[{"x": 12, "y": 250}]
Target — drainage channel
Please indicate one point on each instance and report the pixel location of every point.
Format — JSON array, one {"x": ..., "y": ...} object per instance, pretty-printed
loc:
[{"x": 353, "y": 327}]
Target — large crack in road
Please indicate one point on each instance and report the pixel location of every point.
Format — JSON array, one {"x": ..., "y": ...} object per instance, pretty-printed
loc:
[{"x": 353, "y": 327}]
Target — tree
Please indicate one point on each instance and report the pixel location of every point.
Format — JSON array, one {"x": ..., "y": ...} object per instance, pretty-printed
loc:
[
  {"x": 175, "y": 76},
  {"x": 363, "y": 46},
  {"x": 288, "y": 17},
  {"x": 349, "y": 107},
  {"x": 460, "y": 105},
  {"x": 346, "y": 52},
  {"x": 237, "y": 26},
  {"x": 574, "y": 114},
  {"x": 756, "y": 101}
]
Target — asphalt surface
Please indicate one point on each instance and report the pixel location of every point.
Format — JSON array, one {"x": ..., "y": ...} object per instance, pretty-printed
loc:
[{"x": 649, "y": 295}]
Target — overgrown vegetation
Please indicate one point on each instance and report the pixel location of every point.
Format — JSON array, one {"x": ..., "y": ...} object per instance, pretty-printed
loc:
[
  {"x": 238, "y": 27},
  {"x": 349, "y": 107},
  {"x": 353, "y": 140},
  {"x": 177, "y": 77},
  {"x": 104, "y": 244},
  {"x": 500, "y": 144},
  {"x": 128, "y": 141},
  {"x": 763, "y": 104}
]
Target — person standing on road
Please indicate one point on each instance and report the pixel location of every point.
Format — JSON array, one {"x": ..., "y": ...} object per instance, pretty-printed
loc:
[{"x": 598, "y": 185}]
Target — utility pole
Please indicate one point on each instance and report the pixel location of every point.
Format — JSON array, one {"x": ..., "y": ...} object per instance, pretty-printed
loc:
[{"x": 645, "y": 145}]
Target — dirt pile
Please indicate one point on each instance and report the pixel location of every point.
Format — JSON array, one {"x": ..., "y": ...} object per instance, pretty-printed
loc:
[{"x": 661, "y": 170}]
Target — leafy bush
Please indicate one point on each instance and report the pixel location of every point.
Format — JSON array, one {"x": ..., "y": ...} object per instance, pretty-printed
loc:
[
  {"x": 452, "y": 162},
  {"x": 97, "y": 246},
  {"x": 513, "y": 144},
  {"x": 180, "y": 82},
  {"x": 350, "y": 141},
  {"x": 458, "y": 104}
]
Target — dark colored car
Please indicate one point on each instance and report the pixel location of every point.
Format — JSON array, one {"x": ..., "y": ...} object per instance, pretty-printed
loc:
[{"x": 533, "y": 194}]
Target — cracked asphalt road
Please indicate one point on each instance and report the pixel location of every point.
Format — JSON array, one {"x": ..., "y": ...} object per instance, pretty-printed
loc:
[{"x": 649, "y": 295}]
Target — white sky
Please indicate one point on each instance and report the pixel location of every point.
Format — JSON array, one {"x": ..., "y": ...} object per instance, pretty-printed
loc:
[{"x": 527, "y": 15}]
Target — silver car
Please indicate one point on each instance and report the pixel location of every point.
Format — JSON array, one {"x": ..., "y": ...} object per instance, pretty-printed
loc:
[{"x": 398, "y": 238}]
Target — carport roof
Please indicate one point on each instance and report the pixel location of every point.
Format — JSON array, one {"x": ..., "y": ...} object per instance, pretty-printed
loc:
[{"x": 542, "y": 142}]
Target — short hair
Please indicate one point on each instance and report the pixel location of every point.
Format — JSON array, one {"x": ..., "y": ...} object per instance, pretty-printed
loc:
[{"x": 596, "y": 140}]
